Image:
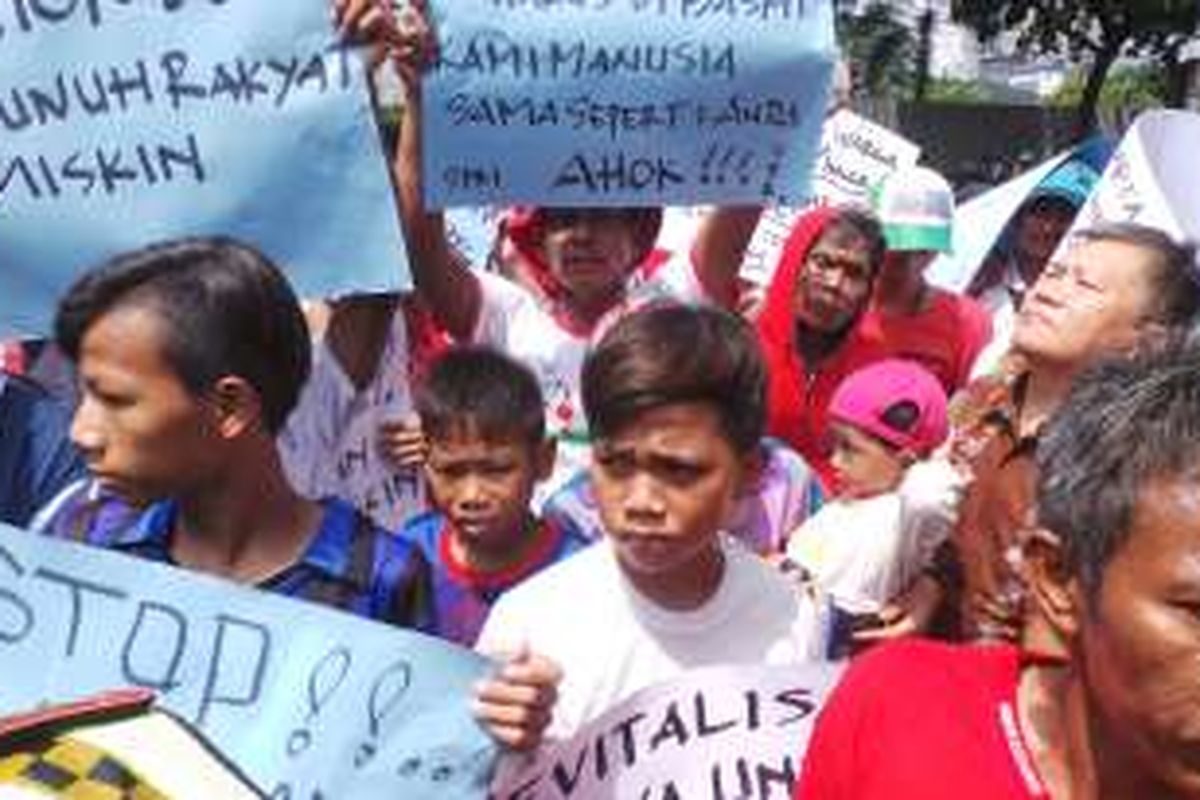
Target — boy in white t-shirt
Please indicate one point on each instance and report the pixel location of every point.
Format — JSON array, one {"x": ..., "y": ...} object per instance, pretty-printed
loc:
[
  {"x": 675, "y": 397},
  {"x": 892, "y": 507}
]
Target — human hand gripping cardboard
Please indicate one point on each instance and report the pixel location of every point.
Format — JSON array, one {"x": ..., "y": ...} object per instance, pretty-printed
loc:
[{"x": 516, "y": 704}]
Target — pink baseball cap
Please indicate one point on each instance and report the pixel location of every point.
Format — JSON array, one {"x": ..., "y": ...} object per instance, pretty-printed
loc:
[{"x": 897, "y": 401}]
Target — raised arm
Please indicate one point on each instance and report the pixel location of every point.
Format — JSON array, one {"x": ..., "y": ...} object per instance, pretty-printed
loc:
[
  {"x": 719, "y": 249},
  {"x": 442, "y": 275}
]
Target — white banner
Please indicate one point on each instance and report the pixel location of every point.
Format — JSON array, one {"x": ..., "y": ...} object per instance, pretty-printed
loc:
[{"x": 1154, "y": 177}]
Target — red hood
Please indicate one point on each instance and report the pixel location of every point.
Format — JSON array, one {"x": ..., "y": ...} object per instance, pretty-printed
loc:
[
  {"x": 524, "y": 227},
  {"x": 777, "y": 323},
  {"x": 797, "y": 399}
]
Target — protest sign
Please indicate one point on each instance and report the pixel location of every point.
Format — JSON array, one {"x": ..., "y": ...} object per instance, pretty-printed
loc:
[
  {"x": 714, "y": 734},
  {"x": 625, "y": 102},
  {"x": 854, "y": 157},
  {"x": 126, "y": 123},
  {"x": 1153, "y": 178},
  {"x": 331, "y": 442},
  {"x": 306, "y": 701}
]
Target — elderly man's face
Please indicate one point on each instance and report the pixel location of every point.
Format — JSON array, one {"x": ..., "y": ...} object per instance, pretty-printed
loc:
[
  {"x": 1090, "y": 302},
  {"x": 1139, "y": 641}
]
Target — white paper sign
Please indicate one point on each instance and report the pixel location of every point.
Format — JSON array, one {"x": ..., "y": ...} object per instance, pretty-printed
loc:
[
  {"x": 1153, "y": 179},
  {"x": 719, "y": 732},
  {"x": 855, "y": 156}
]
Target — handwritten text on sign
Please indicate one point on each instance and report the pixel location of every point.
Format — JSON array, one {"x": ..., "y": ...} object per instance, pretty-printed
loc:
[
  {"x": 306, "y": 701},
  {"x": 608, "y": 102},
  {"x": 854, "y": 157},
  {"x": 714, "y": 734},
  {"x": 122, "y": 123},
  {"x": 1149, "y": 180}
]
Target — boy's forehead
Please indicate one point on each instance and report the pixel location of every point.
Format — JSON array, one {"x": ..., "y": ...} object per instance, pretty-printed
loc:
[
  {"x": 670, "y": 424},
  {"x": 469, "y": 432},
  {"x": 128, "y": 330}
]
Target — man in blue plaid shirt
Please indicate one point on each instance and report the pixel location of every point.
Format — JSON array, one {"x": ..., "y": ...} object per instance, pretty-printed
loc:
[{"x": 191, "y": 355}]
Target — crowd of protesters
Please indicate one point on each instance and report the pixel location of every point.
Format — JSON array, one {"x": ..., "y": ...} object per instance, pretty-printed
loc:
[{"x": 987, "y": 501}]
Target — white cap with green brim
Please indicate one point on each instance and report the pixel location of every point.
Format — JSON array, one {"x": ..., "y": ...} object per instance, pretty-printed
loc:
[{"x": 916, "y": 207}]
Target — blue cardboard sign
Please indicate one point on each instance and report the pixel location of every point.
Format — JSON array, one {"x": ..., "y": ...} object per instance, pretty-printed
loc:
[
  {"x": 625, "y": 102},
  {"x": 307, "y": 701},
  {"x": 126, "y": 123}
]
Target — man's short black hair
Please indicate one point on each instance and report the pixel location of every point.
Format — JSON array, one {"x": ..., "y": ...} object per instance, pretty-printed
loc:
[
  {"x": 226, "y": 311},
  {"x": 1174, "y": 281},
  {"x": 479, "y": 390},
  {"x": 677, "y": 354},
  {"x": 1126, "y": 422}
]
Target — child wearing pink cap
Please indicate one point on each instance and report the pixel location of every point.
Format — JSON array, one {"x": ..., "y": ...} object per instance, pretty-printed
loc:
[{"x": 892, "y": 505}]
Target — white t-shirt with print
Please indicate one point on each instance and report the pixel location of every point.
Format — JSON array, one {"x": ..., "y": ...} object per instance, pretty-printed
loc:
[
  {"x": 512, "y": 320},
  {"x": 330, "y": 447},
  {"x": 612, "y": 641}
]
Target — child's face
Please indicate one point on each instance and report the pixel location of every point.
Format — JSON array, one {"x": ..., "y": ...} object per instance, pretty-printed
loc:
[
  {"x": 864, "y": 466},
  {"x": 665, "y": 484},
  {"x": 590, "y": 251},
  {"x": 483, "y": 486}
]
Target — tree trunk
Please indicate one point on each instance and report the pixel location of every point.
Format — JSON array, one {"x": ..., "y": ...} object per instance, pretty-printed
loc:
[
  {"x": 924, "y": 54},
  {"x": 1085, "y": 119}
]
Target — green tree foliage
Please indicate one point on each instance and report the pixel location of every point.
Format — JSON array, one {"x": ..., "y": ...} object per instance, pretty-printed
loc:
[
  {"x": 881, "y": 53},
  {"x": 1097, "y": 32},
  {"x": 1139, "y": 87},
  {"x": 955, "y": 90}
]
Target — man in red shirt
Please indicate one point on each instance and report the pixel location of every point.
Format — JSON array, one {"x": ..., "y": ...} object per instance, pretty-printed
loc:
[
  {"x": 1113, "y": 570},
  {"x": 908, "y": 318}
]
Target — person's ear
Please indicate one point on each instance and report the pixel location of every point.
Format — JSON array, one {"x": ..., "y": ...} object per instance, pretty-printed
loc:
[
  {"x": 237, "y": 406},
  {"x": 544, "y": 457},
  {"x": 1052, "y": 587}
]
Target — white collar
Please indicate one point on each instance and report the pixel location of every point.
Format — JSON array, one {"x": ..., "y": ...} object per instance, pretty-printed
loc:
[{"x": 1014, "y": 281}]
